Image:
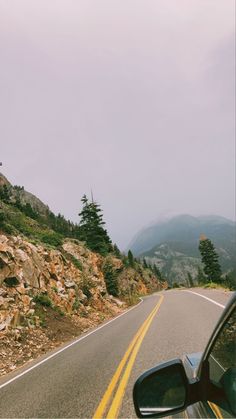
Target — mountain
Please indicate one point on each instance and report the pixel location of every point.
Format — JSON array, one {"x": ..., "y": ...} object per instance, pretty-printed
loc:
[{"x": 173, "y": 244}]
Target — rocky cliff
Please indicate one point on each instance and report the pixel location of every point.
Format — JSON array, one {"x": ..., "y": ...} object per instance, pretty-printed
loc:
[{"x": 48, "y": 295}]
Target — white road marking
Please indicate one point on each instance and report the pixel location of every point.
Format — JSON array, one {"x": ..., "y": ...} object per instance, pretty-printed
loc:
[
  {"x": 206, "y": 298},
  {"x": 67, "y": 346}
]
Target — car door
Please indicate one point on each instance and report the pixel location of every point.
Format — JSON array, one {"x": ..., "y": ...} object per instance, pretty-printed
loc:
[{"x": 219, "y": 368}]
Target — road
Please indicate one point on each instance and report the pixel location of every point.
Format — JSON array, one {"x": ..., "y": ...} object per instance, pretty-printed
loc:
[{"x": 73, "y": 383}]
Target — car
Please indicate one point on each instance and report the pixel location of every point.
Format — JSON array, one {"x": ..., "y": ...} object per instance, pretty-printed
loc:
[{"x": 200, "y": 385}]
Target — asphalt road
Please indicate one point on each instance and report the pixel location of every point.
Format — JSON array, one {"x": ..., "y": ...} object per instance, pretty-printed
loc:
[{"x": 73, "y": 382}]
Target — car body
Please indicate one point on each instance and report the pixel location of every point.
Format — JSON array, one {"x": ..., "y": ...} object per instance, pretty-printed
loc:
[{"x": 199, "y": 385}]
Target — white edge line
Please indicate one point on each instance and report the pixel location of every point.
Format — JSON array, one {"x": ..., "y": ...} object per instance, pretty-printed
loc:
[
  {"x": 206, "y": 298},
  {"x": 67, "y": 346}
]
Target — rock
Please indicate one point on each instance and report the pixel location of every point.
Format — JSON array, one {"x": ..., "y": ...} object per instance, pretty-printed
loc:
[
  {"x": 31, "y": 312},
  {"x": 21, "y": 289},
  {"x": 116, "y": 301},
  {"x": 69, "y": 284}
]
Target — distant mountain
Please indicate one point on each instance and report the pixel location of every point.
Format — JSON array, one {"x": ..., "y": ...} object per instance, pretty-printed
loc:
[{"x": 173, "y": 244}]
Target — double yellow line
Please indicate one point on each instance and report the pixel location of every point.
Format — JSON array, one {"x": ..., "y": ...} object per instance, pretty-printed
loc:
[{"x": 125, "y": 364}]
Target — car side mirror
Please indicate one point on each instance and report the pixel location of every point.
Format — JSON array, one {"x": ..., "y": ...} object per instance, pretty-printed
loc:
[{"x": 163, "y": 391}]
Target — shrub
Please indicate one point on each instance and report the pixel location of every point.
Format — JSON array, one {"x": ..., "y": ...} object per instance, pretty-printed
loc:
[
  {"x": 43, "y": 300},
  {"x": 76, "y": 262},
  {"x": 76, "y": 304},
  {"x": 110, "y": 276},
  {"x": 51, "y": 238}
]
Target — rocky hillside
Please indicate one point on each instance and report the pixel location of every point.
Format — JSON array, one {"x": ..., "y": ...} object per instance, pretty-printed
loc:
[
  {"x": 18, "y": 193},
  {"x": 48, "y": 296},
  {"x": 173, "y": 245},
  {"x": 52, "y": 287}
]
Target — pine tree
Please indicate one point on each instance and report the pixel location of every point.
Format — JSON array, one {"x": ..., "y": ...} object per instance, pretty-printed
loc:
[
  {"x": 145, "y": 263},
  {"x": 211, "y": 266},
  {"x": 116, "y": 251},
  {"x": 91, "y": 228},
  {"x": 157, "y": 272},
  {"x": 110, "y": 276},
  {"x": 131, "y": 258},
  {"x": 5, "y": 194}
]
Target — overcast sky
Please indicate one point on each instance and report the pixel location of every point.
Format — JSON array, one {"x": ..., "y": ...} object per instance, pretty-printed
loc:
[{"x": 134, "y": 99}]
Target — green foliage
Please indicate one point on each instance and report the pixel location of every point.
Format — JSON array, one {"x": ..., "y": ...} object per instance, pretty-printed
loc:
[
  {"x": 190, "y": 280},
  {"x": 91, "y": 228},
  {"x": 230, "y": 280},
  {"x": 210, "y": 262},
  {"x": 157, "y": 272},
  {"x": 52, "y": 238},
  {"x": 59, "y": 310},
  {"x": 43, "y": 300},
  {"x": 145, "y": 264},
  {"x": 201, "y": 277},
  {"x": 110, "y": 276},
  {"x": 76, "y": 262},
  {"x": 76, "y": 304},
  {"x": 131, "y": 259},
  {"x": 86, "y": 290},
  {"x": 116, "y": 251},
  {"x": 212, "y": 285},
  {"x": 5, "y": 193}
]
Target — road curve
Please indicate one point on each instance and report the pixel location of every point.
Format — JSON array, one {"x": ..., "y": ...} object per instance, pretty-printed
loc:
[{"x": 73, "y": 383}]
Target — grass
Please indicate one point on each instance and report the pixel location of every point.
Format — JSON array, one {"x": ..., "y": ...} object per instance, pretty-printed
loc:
[{"x": 213, "y": 285}]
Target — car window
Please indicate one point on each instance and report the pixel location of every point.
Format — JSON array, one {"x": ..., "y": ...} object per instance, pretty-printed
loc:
[{"x": 222, "y": 370}]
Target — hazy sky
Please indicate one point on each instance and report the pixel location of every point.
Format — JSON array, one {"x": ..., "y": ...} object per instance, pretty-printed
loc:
[{"x": 134, "y": 99}]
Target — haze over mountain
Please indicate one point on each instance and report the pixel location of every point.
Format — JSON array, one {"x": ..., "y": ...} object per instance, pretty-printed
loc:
[
  {"x": 132, "y": 99},
  {"x": 173, "y": 244}
]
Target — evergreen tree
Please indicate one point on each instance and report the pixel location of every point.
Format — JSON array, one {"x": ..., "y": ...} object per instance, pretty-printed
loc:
[
  {"x": 230, "y": 280},
  {"x": 210, "y": 262},
  {"x": 131, "y": 258},
  {"x": 157, "y": 272},
  {"x": 110, "y": 276},
  {"x": 5, "y": 194},
  {"x": 91, "y": 228},
  {"x": 145, "y": 263},
  {"x": 116, "y": 250}
]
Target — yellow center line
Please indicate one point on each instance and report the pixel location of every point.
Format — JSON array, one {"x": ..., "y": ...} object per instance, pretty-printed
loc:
[
  {"x": 107, "y": 395},
  {"x": 114, "y": 409},
  {"x": 216, "y": 410}
]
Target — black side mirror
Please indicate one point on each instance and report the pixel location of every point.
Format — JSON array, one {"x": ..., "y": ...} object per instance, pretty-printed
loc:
[{"x": 163, "y": 391}]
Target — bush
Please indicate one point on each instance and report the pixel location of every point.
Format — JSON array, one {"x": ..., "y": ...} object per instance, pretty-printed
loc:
[
  {"x": 110, "y": 276},
  {"x": 76, "y": 304},
  {"x": 43, "y": 300},
  {"x": 76, "y": 262},
  {"x": 53, "y": 239},
  {"x": 230, "y": 280}
]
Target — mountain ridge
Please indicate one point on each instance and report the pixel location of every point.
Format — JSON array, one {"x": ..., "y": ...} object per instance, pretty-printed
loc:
[{"x": 172, "y": 245}]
